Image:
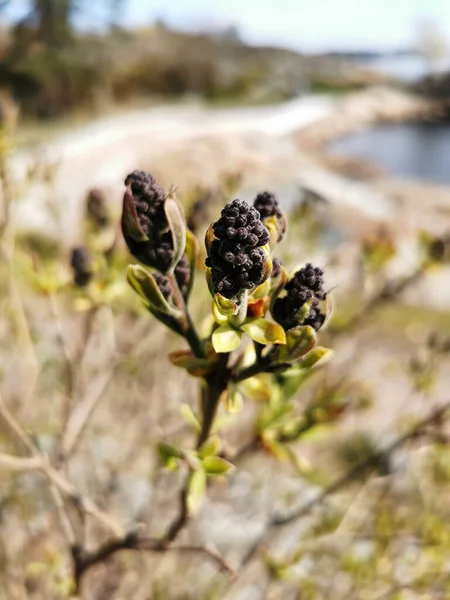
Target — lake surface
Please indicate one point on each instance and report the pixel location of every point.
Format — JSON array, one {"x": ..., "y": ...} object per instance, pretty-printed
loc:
[{"x": 410, "y": 150}]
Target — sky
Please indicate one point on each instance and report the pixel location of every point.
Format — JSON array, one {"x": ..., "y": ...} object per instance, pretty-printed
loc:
[{"x": 309, "y": 25}]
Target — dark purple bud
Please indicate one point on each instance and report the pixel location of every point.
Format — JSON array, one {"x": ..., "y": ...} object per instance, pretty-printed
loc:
[
  {"x": 235, "y": 256},
  {"x": 267, "y": 206},
  {"x": 164, "y": 285},
  {"x": 97, "y": 208},
  {"x": 81, "y": 263},
  {"x": 306, "y": 284},
  {"x": 144, "y": 222}
]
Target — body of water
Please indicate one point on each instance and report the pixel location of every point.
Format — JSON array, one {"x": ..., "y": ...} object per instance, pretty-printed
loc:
[{"x": 410, "y": 150}]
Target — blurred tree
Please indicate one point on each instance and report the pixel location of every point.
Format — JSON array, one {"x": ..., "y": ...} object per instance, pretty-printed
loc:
[
  {"x": 431, "y": 43},
  {"x": 53, "y": 19}
]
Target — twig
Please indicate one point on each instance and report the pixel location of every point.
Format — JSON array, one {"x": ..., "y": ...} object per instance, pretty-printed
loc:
[
  {"x": 132, "y": 542},
  {"x": 389, "y": 291},
  {"x": 41, "y": 463},
  {"x": 16, "y": 463},
  {"x": 79, "y": 419},
  {"x": 279, "y": 521}
]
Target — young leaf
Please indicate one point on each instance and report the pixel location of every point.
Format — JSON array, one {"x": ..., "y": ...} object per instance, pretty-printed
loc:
[
  {"x": 214, "y": 465},
  {"x": 167, "y": 453},
  {"x": 262, "y": 291},
  {"x": 188, "y": 414},
  {"x": 185, "y": 359},
  {"x": 177, "y": 225},
  {"x": 299, "y": 341},
  {"x": 264, "y": 331},
  {"x": 276, "y": 448},
  {"x": 191, "y": 253},
  {"x": 257, "y": 388},
  {"x": 273, "y": 226},
  {"x": 144, "y": 284},
  {"x": 196, "y": 490},
  {"x": 225, "y": 338},
  {"x": 303, "y": 312},
  {"x": 329, "y": 310},
  {"x": 317, "y": 357},
  {"x": 234, "y": 402},
  {"x": 219, "y": 318},
  {"x": 225, "y": 306},
  {"x": 210, "y": 447}
]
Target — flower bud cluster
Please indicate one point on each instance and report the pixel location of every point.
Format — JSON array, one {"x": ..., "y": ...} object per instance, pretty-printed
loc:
[
  {"x": 306, "y": 285},
  {"x": 267, "y": 206},
  {"x": 147, "y": 199},
  {"x": 235, "y": 256}
]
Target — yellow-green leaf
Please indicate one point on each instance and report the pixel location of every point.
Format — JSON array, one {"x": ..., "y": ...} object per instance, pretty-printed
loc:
[
  {"x": 210, "y": 447},
  {"x": 144, "y": 284},
  {"x": 225, "y": 338},
  {"x": 264, "y": 331},
  {"x": 234, "y": 402},
  {"x": 215, "y": 465},
  {"x": 317, "y": 357},
  {"x": 257, "y": 388},
  {"x": 167, "y": 452},
  {"x": 196, "y": 490},
  {"x": 191, "y": 253},
  {"x": 225, "y": 306},
  {"x": 188, "y": 414},
  {"x": 262, "y": 290},
  {"x": 185, "y": 359},
  {"x": 219, "y": 318},
  {"x": 299, "y": 341},
  {"x": 177, "y": 226}
]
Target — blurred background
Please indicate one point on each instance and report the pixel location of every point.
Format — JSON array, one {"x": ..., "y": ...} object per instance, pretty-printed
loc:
[{"x": 342, "y": 109}]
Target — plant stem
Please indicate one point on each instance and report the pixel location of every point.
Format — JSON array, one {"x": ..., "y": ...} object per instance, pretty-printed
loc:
[
  {"x": 216, "y": 384},
  {"x": 187, "y": 325}
]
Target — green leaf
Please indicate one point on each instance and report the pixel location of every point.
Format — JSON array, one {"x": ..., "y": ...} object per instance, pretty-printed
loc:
[
  {"x": 185, "y": 359},
  {"x": 210, "y": 447},
  {"x": 317, "y": 357},
  {"x": 188, "y": 414},
  {"x": 278, "y": 450},
  {"x": 264, "y": 331},
  {"x": 274, "y": 225},
  {"x": 316, "y": 432},
  {"x": 262, "y": 290},
  {"x": 329, "y": 310},
  {"x": 144, "y": 284},
  {"x": 299, "y": 341},
  {"x": 191, "y": 253},
  {"x": 257, "y": 388},
  {"x": 303, "y": 312},
  {"x": 234, "y": 402},
  {"x": 214, "y": 465},
  {"x": 225, "y": 306},
  {"x": 167, "y": 453},
  {"x": 225, "y": 338},
  {"x": 292, "y": 380},
  {"x": 177, "y": 226},
  {"x": 219, "y": 318},
  {"x": 196, "y": 490}
]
